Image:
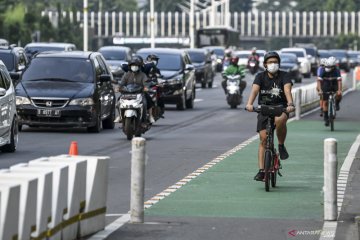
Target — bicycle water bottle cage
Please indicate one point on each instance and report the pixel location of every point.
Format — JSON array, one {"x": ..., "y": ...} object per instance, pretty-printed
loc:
[{"x": 272, "y": 111}]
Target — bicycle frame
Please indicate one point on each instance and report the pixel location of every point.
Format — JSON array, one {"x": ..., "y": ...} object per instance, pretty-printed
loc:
[{"x": 331, "y": 109}]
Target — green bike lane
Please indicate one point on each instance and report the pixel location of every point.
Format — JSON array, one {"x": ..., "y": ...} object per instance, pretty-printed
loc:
[{"x": 228, "y": 190}]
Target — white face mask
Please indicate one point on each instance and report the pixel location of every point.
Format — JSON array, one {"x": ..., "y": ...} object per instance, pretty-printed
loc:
[
  {"x": 273, "y": 67},
  {"x": 327, "y": 69},
  {"x": 154, "y": 62},
  {"x": 134, "y": 68}
]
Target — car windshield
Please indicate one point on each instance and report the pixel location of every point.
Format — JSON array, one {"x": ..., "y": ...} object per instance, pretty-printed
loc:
[
  {"x": 219, "y": 52},
  {"x": 354, "y": 55},
  {"x": 297, "y": 53},
  {"x": 167, "y": 62},
  {"x": 114, "y": 55},
  {"x": 310, "y": 51},
  {"x": 33, "y": 50},
  {"x": 288, "y": 59},
  {"x": 54, "y": 68},
  {"x": 197, "y": 57},
  {"x": 339, "y": 54},
  {"x": 243, "y": 55},
  {"x": 324, "y": 54},
  {"x": 8, "y": 60}
]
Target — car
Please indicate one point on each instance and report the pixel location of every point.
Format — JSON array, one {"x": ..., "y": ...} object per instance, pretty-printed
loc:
[
  {"x": 243, "y": 56},
  {"x": 201, "y": 59},
  {"x": 342, "y": 58},
  {"x": 290, "y": 64},
  {"x": 323, "y": 53},
  {"x": 116, "y": 56},
  {"x": 15, "y": 60},
  {"x": 8, "y": 115},
  {"x": 303, "y": 59},
  {"x": 178, "y": 75},
  {"x": 4, "y": 42},
  {"x": 354, "y": 58},
  {"x": 312, "y": 54},
  {"x": 36, "y": 47},
  {"x": 220, "y": 54},
  {"x": 66, "y": 89}
]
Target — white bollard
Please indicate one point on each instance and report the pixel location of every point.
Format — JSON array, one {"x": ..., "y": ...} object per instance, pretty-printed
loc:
[
  {"x": 9, "y": 210},
  {"x": 298, "y": 104},
  {"x": 330, "y": 180},
  {"x": 76, "y": 194},
  {"x": 137, "y": 180},
  {"x": 59, "y": 194},
  {"x": 44, "y": 196},
  {"x": 28, "y": 199}
]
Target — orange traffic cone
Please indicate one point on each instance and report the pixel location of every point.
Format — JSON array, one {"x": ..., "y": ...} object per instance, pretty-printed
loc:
[{"x": 73, "y": 148}]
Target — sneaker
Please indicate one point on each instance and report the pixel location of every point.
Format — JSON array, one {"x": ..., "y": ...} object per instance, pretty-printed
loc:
[
  {"x": 283, "y": 153},
  {"x": 117, "y": 119},
  {"x": 260, "y": 175},
  {"x": 321, "y": 112},
  {"x": 327, "y": 122},
  {"x": 337, "y": 106},
  {"x": 151, "y": 119}
]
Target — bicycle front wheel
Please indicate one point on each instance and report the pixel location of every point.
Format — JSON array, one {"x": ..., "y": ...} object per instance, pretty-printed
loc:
[{"x": 267, "y": 161}]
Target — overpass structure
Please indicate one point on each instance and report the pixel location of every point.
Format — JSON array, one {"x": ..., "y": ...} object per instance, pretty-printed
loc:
[{"x": 174, "y": 27}]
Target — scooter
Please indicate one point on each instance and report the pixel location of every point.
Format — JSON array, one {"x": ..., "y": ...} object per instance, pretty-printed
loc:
[
  {"x": 253, "y": 66},
  {"x": 233, "y": 97},
  {"x": 132, "y": 111}
]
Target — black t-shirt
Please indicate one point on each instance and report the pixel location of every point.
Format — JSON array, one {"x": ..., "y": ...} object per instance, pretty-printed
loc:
[{"x": 272, "y": 89}]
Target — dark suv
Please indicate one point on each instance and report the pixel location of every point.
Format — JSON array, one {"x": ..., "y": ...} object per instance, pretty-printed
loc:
[
  {"x": 69, "y": 89},
  {"x": 14, "y": 59},
  {"x": 201, "y": 59},
  {"x": 115, "y": 57},
  {"x": 178, "y": 75}
]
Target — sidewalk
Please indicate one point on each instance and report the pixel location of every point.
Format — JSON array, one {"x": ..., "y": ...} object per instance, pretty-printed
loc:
[{"x": 224, "y": 202}]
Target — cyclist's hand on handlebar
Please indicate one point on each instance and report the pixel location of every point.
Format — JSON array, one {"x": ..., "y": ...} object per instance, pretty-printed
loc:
[
  {"x": 290, "y": 109},
  {"x": 339, "y": 93},
  {"x": 320, "y": 93},
  {"x": 249, "y": 107}
]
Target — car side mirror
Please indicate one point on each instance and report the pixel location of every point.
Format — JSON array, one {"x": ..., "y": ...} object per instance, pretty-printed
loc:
[
  {"x": 105, "y": 78},
  {"x": 2, "y": 92},
  {"x": 21, "y": 68},
  {"x": 189, "y": 67}
]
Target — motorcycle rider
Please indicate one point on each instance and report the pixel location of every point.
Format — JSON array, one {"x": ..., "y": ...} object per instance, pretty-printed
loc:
[
  {"x": 274, "y": 88},
  {"x": 136, "y": 76},
  {"x": 330, "y": 80},
  {"x": 234, "y": 69},
  {"x": 254, "y": 57}
]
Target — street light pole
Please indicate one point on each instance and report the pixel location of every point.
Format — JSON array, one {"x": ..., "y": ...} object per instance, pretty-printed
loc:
[
  {"x": 192, "y": 27},
  {"x": 152, "y": 24},
  {"x": 85, "y": 30}
]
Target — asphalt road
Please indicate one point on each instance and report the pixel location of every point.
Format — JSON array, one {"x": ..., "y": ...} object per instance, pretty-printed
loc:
[{"x": 176, "y": 145}]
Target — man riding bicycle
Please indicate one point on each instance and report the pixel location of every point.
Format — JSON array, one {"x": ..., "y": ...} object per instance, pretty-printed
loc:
[
  {"x": 328, "y": 81},
  {"x": 274, "y": 88}
]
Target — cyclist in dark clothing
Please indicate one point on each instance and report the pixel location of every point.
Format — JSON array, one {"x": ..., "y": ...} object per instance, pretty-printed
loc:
[{"x": 274, "y": 88}]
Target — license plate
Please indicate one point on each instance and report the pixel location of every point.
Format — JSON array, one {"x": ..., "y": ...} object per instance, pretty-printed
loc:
[{"x": 48, "y": 113}]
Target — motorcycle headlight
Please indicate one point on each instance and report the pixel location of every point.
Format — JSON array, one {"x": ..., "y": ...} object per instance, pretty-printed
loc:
[
  {"x": 294, "y": 68},
  {"x": 218, "y": 60},
  {"x": 82, "y": 102},
  {"x": 22, "y": 100}
]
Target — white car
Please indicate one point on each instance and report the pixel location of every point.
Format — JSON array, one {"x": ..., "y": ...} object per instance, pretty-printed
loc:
[
  {"x": 243, "y": 57},
  {"x": 305, "y": 64},
  {"x": 8, "y": 116}
]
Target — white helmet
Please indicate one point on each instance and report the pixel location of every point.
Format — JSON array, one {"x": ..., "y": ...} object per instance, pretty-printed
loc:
[
  {"x": 323, "y": 61},
  {"x": 330, "y": 62}
]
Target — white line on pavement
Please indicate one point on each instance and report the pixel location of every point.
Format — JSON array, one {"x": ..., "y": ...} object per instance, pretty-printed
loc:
[{"x": 112, "y": 227}]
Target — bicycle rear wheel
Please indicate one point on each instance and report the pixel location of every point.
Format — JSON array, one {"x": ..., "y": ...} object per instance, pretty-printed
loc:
[
  {"x": 274, "y": 173},
  {"x": 267, "y": 179},
  {"x": 331, "y": 114}
]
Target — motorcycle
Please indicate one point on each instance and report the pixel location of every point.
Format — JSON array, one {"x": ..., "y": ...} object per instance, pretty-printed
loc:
[
  {"x": 234, "y": 96},
  {"x": 132, "y": 111},
  {"x": 253, "y": 66},
  {"x": 155, "y": 92}
]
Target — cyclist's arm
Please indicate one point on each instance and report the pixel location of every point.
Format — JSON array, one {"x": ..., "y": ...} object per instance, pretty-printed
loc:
[
  {"x": 254, "y": 92},
  {"x": 288, "y": 95}
]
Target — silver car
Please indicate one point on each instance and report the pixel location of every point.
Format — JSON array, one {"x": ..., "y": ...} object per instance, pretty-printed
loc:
[{"x": 8, "y": 116}]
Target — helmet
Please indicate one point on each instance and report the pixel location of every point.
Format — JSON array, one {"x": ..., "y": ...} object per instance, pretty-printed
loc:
[
  {"x": 139, "y": 58},
  {"x": 271, "y": 54},
  {"x": 330, "y": 62},
  {"x": 135, "y": 61},
  {"x": 323, "y": 61},
  {"x": 152, "y": 57},
  {"x": 234, "y": 61},
  {"x": 228, "y": 52},
  {"x": 253, "y": 50}
]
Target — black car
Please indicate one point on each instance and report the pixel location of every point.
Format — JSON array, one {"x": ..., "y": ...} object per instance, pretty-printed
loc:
[
  {"x": 37, "y": 47},
  {"x": 67, "y": 89},
  {"x": 178, "y": 75},
  {"x": 290, "y": 64},
  {"x": 342, "y": 58},
  {"x": 220, "y": 54},
  {"x": 14, "y": 59},
  {"x": 115, "y": 57},
  {"x": 201, "y": 59}
]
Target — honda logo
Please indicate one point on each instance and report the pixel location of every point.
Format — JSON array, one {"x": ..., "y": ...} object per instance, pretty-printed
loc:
[{"x": 48, "y": 103}]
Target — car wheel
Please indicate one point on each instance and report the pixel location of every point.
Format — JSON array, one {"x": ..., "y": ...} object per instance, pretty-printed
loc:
[
  {"x": 97, "y": 127},
  {"x": 190, "y": 102},
  {"x": 14, "y": 137},
  {"x": 109, "y": 123},
  {"x": 20, "y": 126},
  {"x": 182, "y": 101}
]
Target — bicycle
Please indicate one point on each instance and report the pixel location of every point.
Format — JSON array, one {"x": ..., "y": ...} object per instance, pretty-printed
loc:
[
  {"x": 271, "y": 156},
  {"x": 331, "y": 108}
]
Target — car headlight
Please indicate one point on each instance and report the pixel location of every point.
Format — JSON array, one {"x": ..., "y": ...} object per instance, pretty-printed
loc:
[
  {"x": 22, "y": 100},
  {"x": 344, "y": 59},
  {"x": 294, "y": 68},
  {"x": 175, "y": 81},
  {"x": 114, "y": 68},
  {"x": 82, "y": 102}
]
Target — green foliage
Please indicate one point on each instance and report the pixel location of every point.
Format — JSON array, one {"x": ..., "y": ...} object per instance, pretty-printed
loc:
[{"x": 347, "y": 41}]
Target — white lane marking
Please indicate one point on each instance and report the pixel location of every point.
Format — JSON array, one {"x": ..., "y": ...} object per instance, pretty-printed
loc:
[
  {"x": 330, "y": 227},
  {"x": 112, "y": 227}
]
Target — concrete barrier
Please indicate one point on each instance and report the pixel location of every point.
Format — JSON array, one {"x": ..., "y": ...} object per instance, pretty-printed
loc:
[
  {"x": 76, "y": 194},
  {"x": 59, "y": 194},
  {"x": 93, "y": 217},
  {"x": 28, "y": 197},
  {"x": 9, "y": 211},
  {"x": 44, "y": 196}
]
